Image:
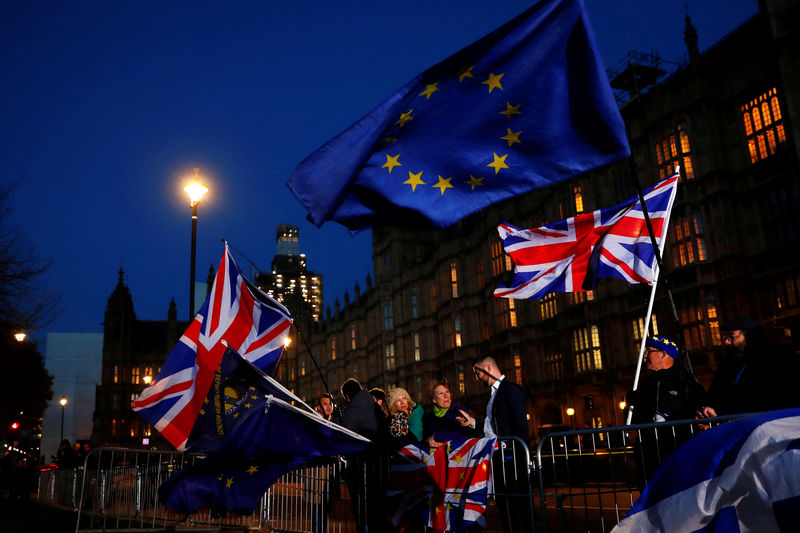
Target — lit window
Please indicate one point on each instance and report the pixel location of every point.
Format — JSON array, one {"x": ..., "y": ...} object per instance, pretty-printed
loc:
[
  {"x": 578, "y": 297},
  {"x": 578, "y": 199},
  {"x": 389, "y": 356},
  {"x": 454, "y": 280},
  {"x": 548, "y": 306},
  {"x": 586, "y": 346},
  {"x": 457, "y": 330},
  {"x": 302, "y": 367},
  {"x": 638, "y": 327},
  {"x": 554, "y": 363},
  {"x": 763, "y": 125},
  {"x": 512, "y": 312},
  {"x": 462, "y": 382},
  {"x": 333, "y": 348},
  {"x": 688, "y": 245},
  {"x": 113, "y": 427},
  {"x": 116, "y": 374},
  {"x": 352, "y": 336},
  {"x": 700, "y": 322},
  {"x": 500, "y": 261},
  {"x": 135, "y": 376},
  {"x": 673, "y": 148},
  {"x": 517, "y": 367},
  {"x": 417, "y": 351}
]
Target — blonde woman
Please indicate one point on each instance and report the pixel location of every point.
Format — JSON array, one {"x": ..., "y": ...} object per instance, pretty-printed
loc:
[{"x": 405, "y": 422}]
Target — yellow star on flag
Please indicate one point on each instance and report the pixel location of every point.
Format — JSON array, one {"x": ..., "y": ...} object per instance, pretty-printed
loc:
[
  {"x": 511, "y": 110},
  {"x": 228, "y": 482},
  {"x": 465, "y": 72},
  {"x": 392, "y": 162},
  {"x": 443, "y": 184},
  {"x": 429, "y": 90},
  {"x": 512, "y": 137},
  {"x": 457, "y": 459},
  {"x": 252, "y": 470},
  {"x": 389, "y": 140},
  {"x": 474, "y": 182},
  {"x": 498, "y": 163},
  {"x": 414, "y": 180},
  {"x": 235, "y": 415},
  {"x": 253, "y": 397},
  {"x": 248, "y": 405},
  {"x": 202, "y": 412},
  {"x": 494, "y": 81},
  {"x": 405, "y": 117}
]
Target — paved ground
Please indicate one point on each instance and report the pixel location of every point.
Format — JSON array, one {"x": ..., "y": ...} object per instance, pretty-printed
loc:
[{"x": 18, "y": 516}]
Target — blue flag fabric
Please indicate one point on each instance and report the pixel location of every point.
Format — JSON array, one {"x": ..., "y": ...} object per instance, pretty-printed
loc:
[
  {"x": 736, "y": 477},
  {"x": 265, "y": 440},
  {"x": 526, "y": 106}
]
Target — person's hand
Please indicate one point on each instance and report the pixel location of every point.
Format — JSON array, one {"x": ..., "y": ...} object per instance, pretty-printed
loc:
[
  {"x": 705, "y": 412},
  {"x": 465, "y": 420}
]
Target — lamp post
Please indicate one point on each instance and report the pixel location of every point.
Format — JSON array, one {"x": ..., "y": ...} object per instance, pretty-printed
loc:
[
  {"x": 20, "y": 336},
  {"x": 63, "y": 402},
  {"x": 195, "y": 190}
]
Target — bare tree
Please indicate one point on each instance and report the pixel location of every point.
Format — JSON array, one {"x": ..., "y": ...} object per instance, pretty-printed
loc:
[{"x": 24, "y": 301}]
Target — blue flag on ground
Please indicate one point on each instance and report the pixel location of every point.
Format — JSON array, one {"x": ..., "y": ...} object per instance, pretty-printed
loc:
[
  {"x": 525, "y": 106},
  {"x": 736, "y": 477},
  {"x": 262, "y": 436}
]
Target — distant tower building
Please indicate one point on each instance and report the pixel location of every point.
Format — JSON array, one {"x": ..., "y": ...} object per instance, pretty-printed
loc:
[{"x": 289, "y": 279}]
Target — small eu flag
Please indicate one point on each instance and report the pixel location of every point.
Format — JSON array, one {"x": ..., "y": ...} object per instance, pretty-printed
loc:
[{"x": 525, "y": 106}]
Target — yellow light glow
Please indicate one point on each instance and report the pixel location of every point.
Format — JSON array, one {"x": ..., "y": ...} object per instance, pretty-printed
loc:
[
  {"x": 570, "y": 411},
  {"x": 20, "y": 336},
  {"x": 147, "y": 379},
  {"x": 63, "y": 402},
  {"x": 195, "y": 189},
  {"x": 287, "y": 341},
  {"x": 622, "y": 405}
]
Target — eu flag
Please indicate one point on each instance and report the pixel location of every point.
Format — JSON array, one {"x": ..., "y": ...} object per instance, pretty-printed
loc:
[
  {"x": 526, "y": 106},
  {"x": 256, "y": 435}
]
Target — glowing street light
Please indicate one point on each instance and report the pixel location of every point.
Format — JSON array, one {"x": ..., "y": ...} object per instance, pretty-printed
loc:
[
  {"x": 147, "y": 379},
  {"x": 20, "y": 336},
  {"x": 195, "y": 190},
  {"x": 63, "y": 402}
]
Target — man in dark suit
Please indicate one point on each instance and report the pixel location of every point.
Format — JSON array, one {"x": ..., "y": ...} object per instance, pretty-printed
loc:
[{"x": 506, "y": 417}]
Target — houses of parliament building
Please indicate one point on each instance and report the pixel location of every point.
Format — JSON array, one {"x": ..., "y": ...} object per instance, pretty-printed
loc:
[{"x": 729, "y": 117}]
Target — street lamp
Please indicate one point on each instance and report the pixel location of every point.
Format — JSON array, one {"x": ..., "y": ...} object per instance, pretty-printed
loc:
[
  {"x": 571, "y": 414},
  {"x": 63, "y": 402},
  {"x": 20, "y": 336},
  {"x": 195, "y": 190}
]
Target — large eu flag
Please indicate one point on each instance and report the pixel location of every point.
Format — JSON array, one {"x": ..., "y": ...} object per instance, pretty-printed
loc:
[
  {"x": 255, "y": 435},
  {"x": 525, "y": 106}
]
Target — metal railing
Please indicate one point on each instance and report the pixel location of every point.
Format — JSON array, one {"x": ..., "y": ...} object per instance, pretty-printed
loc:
[{"x": 583, "y": 480}]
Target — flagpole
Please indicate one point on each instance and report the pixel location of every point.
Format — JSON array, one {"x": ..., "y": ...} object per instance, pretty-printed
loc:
[
  {"x": 658, "y": 251},
  {"x": 645, "y": 331}
]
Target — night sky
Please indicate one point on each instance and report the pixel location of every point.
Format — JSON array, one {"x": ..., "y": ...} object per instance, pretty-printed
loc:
[{"x": 106, "y": 108}]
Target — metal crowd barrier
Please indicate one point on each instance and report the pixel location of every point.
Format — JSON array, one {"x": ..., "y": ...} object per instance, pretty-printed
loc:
[
  {"x": 589, "y": 479},
  {"x": 583, "y": 480}
]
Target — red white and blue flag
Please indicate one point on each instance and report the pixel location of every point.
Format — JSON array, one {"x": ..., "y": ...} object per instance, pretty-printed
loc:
[
  {"x": 446, "y": 488},
  {"x": 236, "y": 312},
  {"x": 570, "y": 255}
]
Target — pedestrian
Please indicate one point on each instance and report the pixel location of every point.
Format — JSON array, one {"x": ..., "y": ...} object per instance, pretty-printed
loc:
[
  {"x": 405, "y": 424},
  {"x": 506, "y": 417},
  {"x": 444, "y": 420},
  {"x": 325, "y": 406},
  {"x": 751, "y": 375},
  {"x": 364, "y": 474},
  {"x": 667, "y": 393}
]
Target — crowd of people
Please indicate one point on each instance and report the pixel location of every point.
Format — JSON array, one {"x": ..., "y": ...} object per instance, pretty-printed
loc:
[{"x": 744, "y": 381}]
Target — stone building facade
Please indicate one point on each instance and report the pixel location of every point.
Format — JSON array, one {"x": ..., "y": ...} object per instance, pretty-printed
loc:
[{"x": 730, "y": 119}]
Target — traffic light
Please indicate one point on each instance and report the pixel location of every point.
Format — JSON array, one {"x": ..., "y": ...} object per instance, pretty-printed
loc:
[{"x": 589, "y": 401}]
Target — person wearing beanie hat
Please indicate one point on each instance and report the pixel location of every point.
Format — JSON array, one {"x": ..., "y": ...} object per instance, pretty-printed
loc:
[{"x": 668, "y": 392}]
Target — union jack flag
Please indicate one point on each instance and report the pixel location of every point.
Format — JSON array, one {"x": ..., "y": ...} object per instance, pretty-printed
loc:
[
  {"x": 235, "y": 313},
  {"x": 570, "y": 255},
  {"x": 448, "y": 485}
]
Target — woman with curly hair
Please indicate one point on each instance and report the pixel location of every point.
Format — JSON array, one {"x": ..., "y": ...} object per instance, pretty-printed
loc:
[{"x": 405, "y": 423}]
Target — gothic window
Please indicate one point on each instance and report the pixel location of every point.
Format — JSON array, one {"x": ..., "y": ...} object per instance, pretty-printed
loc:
[
  {"x": 333, "y": 348},
  {"x": 763, "y": 125},
  {"x": 135, "y": 375},
  {"x": 638, "y": 327},
  {"x": 417, "y": 351},
  {"x": 414, "y": 312},
  {"x": 554, "y": 363},
  {"x": 388, "y": 322},
  {"x": 500, "y": 261},
  {"x": 457, "y": 330},
  {"x": 688, "y": 242},
  {"x": 786, "y": 291},
  {"x": 454, "y": 280},
  {"x": 389, "y": 356},
  {"x": 674, "y": 149},
  {"x": 581, "y": 296},
  {"x": 517, "y": 366},
  {"x": 352, "y": 336},
  {"x": 586, "y": 347},
  {"x": 548, "y": 306},
  {"x": 578, "y": 199}
]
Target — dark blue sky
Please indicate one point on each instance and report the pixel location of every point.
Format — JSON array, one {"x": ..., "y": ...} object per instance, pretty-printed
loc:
[{"x": 106, "y": 107}]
